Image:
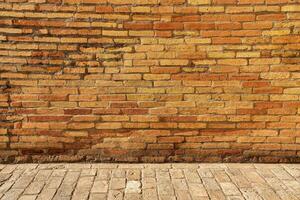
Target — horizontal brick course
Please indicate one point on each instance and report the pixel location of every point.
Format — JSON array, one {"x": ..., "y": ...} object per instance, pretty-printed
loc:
[{"x": 153, "y": 80}]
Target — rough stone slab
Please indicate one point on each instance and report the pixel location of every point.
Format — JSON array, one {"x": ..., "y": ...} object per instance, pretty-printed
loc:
[{"x": 152, "y": 182}]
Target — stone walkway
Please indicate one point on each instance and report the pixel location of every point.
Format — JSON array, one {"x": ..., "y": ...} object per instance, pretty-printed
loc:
[{"x": 150, "y": 181}]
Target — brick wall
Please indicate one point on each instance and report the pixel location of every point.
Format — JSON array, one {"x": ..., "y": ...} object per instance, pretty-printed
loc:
[{"x": 150, "y": 80}]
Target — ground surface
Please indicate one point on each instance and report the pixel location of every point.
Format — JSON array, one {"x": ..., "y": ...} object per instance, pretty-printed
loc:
[{"x": 150, "y": 181}]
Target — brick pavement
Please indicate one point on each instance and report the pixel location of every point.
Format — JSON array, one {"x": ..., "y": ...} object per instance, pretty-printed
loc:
[{"x": 149, "y": 181}]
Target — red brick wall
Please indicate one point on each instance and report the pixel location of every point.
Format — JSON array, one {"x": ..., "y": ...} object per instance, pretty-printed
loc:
[{"x": 150, "y": 80}]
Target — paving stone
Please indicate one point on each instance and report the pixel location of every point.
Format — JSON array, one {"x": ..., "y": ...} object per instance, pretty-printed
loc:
[
  {"x": 176, "y": 173},
  {"x": 100, "y": 186},
  {"x": 293, "y": 171},
  {"x": 59, "y": 172},
  {"x": 104, "y": 166},
  {"x": 133, "y": 187},
  {"x": 241, "y": 181},
  {"x": 266, "y": 192},
  {"x": 216, "y": 166},
  {"x": 117, "y": 183},
  {"x": 282, "y": 174},
  {"x": 80, "y": 194},
  {"x": 133, "y": 174},
  {"x": 27, "y": 166},
  {"x": 163, "y": 197},
  {"x": 211, "y": 184},
  {"x": 103, "y": 174},
  {"x": 46, "y": 194},
  {"x": 88, "y": 172},
  {"x": 28, "y": 197},
  {"x": 216, "y": 195},
  {"x": 34, "y": 187},
  {"x": 77, "y": 166},
  {"x": 253, "y": 176},
  {"x": 229, "y": 189},
  {"x": 68, "y": 185},
  {"x": 149, "y": 182},
  {"x": 150, "y": 194},
  {"x": 197, "y": 190},
  {"x": 192, "y": 176},
  {"x": 115, "y": 195},
  {"x": 179, "y": 184},
  {"x": 83, "y": 188},
  {"x": 294, "y": 186},
  {"x": 250, "y": 193},
  {"x": 221, "y": 176},
  {"x": 12, "y": 194},
  {"x": 43, "y": 175},
  {"x": 235, "y": 198},
  {"x": 165, "y": 189},
  {"x": 286, "y": 195},
  {"x": 62, "y": 198},
  {"x": 2, "y": 166},
  {"x": 118, "y": 173},
  {"x": 8, "y": 169},
  {"x": 205, "y": 173},
  {"x": 4, "y": 177},
  {"x": 97, "y": 197},
  {"x": 148, "y": 173},
  {"x": 23, "y": 182},
  {"x": 133, "y": 196},
  {"x": 54, "y": 182},
  {"x": 163, "y": 174},
  {"x": 85, "y": 182},
  {"x": 10, "y": 182},
  {"x": 158, "y": 166},
  {"x": 65, "y": 190},
  {"x": 183, "y": 195}
]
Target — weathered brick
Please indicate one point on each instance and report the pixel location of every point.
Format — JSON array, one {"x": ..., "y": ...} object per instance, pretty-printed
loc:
[
  {"x": 168, "y": 26},
  {"x": 225, "y": 2},
  {"x": 215, "y": 80},
  {"x": 226, "y": 40},
  {"x": 275, "y": 75},
  {"x": 199, "y": 26},
  {"x": 290, "y": 8},
  {"x": 104, "y": 9},
  {"x": 78, "y": 125},
  {"x": 174, "y": 139},
  {"x": 257, "y": 25},
  {"x": 271, "y": 17},
  {"x": 211, "y": 9},
  {"x": 108, "y": 125}
]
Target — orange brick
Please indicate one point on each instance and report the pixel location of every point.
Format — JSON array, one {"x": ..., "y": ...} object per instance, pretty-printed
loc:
[
  {"x": 274, "y": 17},
  {"x": 174, "y": 139},
  {"x": 137, "y": 26},
  {"x": 108, "y": 125},
  {"x": 104, "y": 9},
  {"x": 168, "y": 26},
  {"x": 226, "y": 40},
  {"x": 198, "y": 26},
  {"x": 225, "y": 2},
  {"x": 154, "y": 80}
]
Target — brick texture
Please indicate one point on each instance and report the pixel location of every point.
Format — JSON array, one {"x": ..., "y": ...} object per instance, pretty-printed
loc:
[{"x": 150, "y": 80}]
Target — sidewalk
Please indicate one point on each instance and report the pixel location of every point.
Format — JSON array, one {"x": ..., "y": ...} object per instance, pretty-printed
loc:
[{"x": 150, "y": 181}]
